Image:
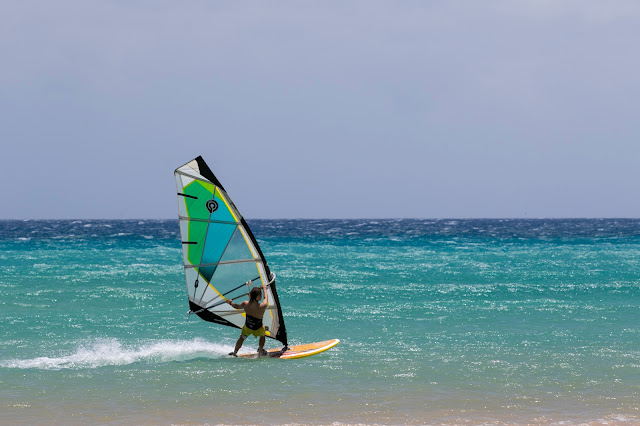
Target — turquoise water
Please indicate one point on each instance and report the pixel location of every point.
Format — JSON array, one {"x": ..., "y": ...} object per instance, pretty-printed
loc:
[{"x": 440, "y": 321}]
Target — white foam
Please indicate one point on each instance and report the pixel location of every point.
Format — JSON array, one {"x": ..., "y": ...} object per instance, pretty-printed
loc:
[{"x": 111, "y": 352}]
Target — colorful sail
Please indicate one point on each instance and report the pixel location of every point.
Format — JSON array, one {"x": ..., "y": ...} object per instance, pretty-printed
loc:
[{"x": 220, "y": 252}]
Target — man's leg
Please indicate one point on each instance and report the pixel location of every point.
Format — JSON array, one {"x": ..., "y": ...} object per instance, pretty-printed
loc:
[
  {"x": 238, "y": 345},
  {"x": 261, "y": 345}
]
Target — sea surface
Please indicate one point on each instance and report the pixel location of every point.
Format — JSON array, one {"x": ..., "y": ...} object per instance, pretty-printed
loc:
[{"x": 440, "y": 321}]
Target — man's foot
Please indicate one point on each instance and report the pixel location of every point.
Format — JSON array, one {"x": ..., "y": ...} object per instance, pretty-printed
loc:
[
  {"x": 232, "y": 354},
  {"x": 262, "y": 352}
]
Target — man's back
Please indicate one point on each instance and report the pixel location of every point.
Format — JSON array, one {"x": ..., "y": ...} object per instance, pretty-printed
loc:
[{"x": 255, "y": 308}]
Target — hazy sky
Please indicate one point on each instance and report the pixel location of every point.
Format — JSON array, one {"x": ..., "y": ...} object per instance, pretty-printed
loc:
[{"x": 324, "y": 109}]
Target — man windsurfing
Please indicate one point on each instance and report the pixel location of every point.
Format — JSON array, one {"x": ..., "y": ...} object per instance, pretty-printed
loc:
[{"x": 254, "y": 310}]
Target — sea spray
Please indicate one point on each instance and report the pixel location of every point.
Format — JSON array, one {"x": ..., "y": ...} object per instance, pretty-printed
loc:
[{"x": 106, "y": 352}]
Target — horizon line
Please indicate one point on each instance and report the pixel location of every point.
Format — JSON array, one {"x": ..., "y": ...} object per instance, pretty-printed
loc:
[{"x": 351, "y": 218}]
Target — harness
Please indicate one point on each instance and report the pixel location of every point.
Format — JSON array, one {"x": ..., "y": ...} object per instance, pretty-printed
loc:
[{"x": 253, "y": 323}]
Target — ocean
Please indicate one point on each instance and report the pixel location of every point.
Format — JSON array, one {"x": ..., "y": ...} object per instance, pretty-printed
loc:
[{"x": 440, "y": 321}]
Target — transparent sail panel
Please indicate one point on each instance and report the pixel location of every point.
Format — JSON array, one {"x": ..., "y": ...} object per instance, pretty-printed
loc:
[
  {"x": 238, "y": 248},
  {"x": 205, "y": 291},
  {"x": 185, "y": 180},
  {"x": 179, "y": 184},
  {"x": 245, "y": 235},
  {"x": 184, "y": 230},
  {"x": 191, "y": 275},
  {"x": 182, "y": 207},
  {"x": 270, "y": 317},
  {"x": 230, "y": 276},
  {"x": 191, "y": 170},
  {"x": 185, "y": 253}
]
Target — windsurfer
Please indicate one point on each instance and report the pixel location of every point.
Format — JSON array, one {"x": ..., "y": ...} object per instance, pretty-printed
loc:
[{"x": 254, "y": 310}]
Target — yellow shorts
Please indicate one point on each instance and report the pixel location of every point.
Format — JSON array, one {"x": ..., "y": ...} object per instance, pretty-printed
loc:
[{"x": 246, "y": 331}]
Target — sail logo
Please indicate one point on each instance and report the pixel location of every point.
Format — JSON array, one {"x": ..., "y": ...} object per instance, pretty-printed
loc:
[{"x": 212, "y": 206}]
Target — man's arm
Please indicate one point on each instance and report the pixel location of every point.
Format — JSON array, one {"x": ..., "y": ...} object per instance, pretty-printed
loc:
[
  {"x": 235, "y": 305},
  {"x": 265, "y": 301}
]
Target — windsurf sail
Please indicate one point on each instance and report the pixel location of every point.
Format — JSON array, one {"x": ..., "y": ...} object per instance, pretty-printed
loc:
[{"x": 220, "y": 252}]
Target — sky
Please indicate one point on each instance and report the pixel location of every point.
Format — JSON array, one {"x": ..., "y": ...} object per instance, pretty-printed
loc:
[{"x": 321, "y": 109}]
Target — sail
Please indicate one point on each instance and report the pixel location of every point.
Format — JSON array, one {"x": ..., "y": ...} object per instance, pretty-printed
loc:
[{"x": 220, "y": 252}]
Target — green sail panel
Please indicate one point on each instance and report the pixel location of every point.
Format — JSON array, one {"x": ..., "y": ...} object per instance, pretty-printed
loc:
[
  {"x": 220, "y": 252},
  {"x": 197, "y": 191},
  {"x": 195, "y": 239}
]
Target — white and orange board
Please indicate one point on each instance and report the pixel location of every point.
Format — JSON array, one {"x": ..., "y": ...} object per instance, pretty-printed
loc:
[{"x": 297, "y": 351}]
